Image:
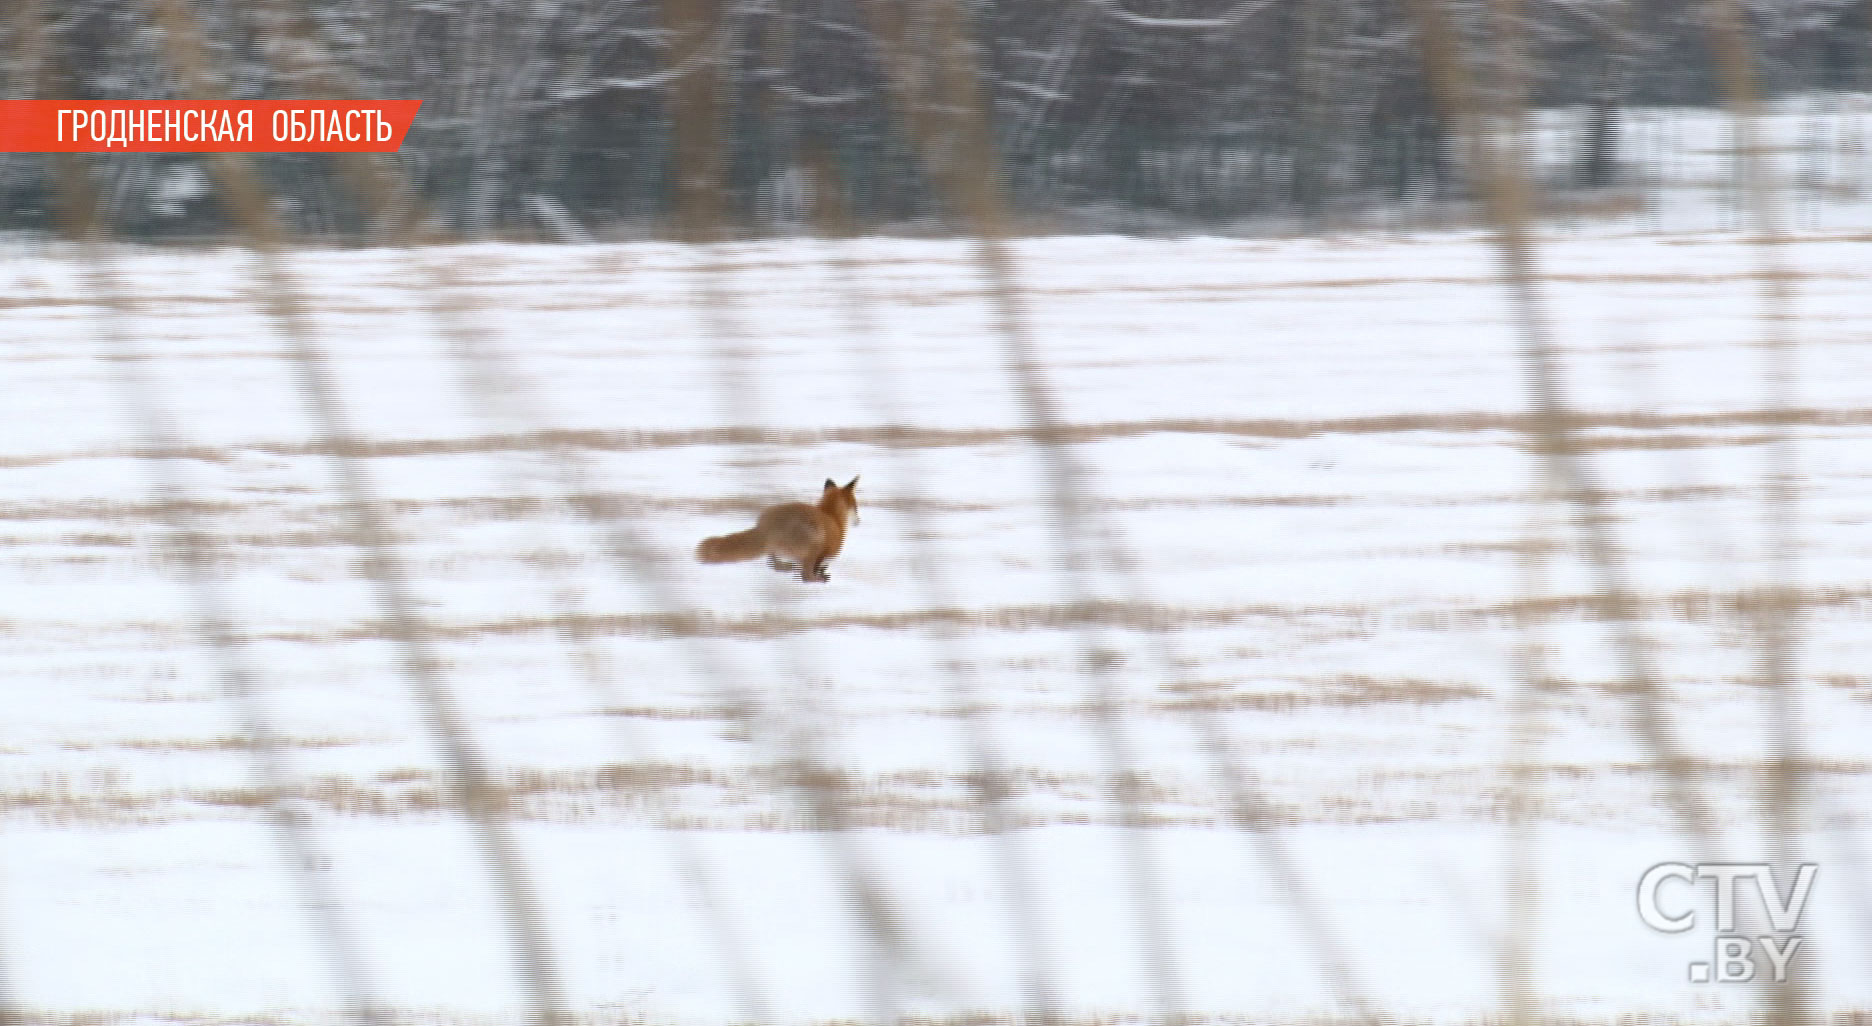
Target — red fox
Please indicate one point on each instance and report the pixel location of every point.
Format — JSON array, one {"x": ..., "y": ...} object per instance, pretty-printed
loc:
[{"x": 792, "y": 535}]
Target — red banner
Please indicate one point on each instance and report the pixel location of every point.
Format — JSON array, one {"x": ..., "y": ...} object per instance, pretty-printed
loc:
[{"x": 269, "y": 126}]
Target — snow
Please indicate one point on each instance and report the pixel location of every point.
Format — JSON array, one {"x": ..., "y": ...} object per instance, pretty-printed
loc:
[{"x": 1315, "y": 446}]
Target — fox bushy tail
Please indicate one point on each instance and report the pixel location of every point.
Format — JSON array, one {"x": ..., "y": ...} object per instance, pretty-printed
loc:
[{"x": 732, "y": 548}]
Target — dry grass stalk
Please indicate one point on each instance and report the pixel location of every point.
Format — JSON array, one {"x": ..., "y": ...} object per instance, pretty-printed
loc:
[
  {"x": 195, "y": 553},
  {"x": 533, "y": 958},
  {"x": 1784, "y": 796}
]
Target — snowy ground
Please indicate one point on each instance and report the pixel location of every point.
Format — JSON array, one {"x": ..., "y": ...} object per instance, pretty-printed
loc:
[{"x": 1315, "y": 448}]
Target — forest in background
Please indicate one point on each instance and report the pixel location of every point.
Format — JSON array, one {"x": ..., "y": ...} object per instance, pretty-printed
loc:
[{"x": 553, "y": 116}]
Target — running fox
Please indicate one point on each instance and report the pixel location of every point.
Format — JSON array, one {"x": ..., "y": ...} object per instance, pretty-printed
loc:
[{"x": 792, "y": 535}]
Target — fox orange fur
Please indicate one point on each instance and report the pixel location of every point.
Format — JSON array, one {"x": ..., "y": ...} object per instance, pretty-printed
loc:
[{"x": 792, "y": 535}]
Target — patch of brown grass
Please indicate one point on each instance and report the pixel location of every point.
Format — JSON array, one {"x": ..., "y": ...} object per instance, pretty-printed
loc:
[
  {"x": 629, "y": 440},
  {"x": 1350, "y": 691}
]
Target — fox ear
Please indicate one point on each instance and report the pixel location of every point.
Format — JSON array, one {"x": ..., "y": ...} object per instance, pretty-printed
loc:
[
  {"x": 852, "y": 484},
  {"x": 829, "y": 486}
]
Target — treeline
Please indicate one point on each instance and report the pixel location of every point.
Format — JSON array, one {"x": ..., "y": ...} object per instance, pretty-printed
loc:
[{"x": 555, "y": 115}]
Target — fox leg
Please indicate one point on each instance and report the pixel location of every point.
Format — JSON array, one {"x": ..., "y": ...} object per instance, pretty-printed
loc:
[
  {"x": 813, "y": 570},
  {"x": 779, "y": 564}
]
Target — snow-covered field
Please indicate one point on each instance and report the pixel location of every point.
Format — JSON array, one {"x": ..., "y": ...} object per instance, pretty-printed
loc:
[{"x": 1315, "y": 448}]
